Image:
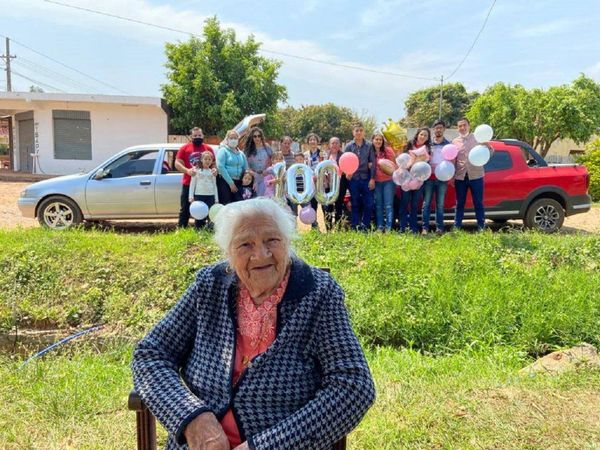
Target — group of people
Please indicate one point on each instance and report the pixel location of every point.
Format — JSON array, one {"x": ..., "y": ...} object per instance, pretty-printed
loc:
[{"x": 234, "y": 174}]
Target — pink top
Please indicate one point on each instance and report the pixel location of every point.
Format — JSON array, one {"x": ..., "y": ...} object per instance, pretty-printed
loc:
[
  {"x": 389, "y": 154},
  {"x": 255, "y": 333}
]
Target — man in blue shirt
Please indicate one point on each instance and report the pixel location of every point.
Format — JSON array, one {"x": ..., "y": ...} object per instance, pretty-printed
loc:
[{"x": 362, "y": 182}]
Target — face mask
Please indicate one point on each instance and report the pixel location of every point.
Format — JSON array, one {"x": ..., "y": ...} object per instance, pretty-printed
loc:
[
  {"x": 233, "y": 143},
  {"x": 198, "y": 141}
]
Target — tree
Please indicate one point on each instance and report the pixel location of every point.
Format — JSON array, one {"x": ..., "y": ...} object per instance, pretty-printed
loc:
[
  {"x": 35, "y": 88},
  {"x": 422, "y": 106},
  {"x": 591, "y": 160},
  {"x": 216, "y": 80},
  {"x": 540, "y": 117},
  {"x": 326, "y": 120}
]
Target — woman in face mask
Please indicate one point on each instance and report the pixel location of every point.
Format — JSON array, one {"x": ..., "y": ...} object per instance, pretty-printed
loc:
[{"x": 231, "y": 163}]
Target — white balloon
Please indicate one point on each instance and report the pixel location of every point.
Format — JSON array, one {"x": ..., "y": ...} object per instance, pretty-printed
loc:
[
  {"x": 198, "y": 210},
  {"x": 483, "y": 133},
  {"x": 444, "y": 171},
  {"x": 300, "y": 170},
  {"x": 214, "y": 211},
  {"x": 479, "y": 155},
  {"x": 420, "y": 171},
  {"x": 403, "y": 160}
]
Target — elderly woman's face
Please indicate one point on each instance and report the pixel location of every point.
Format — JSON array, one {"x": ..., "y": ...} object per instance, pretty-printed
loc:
[{"x": 259, "y": 254}]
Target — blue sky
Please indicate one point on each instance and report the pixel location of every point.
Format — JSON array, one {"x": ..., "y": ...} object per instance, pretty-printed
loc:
[{"x": 533, "y": 43}]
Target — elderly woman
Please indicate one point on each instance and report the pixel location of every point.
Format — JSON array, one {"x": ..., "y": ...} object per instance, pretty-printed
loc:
[{"x": 259, "y": 352}]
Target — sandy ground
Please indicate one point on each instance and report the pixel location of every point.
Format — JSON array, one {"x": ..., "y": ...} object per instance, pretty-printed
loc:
[{"x": 10, "y": 216}]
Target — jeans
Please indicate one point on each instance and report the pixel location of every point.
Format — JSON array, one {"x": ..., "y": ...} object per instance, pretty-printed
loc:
[
  {"x": 476, "y": 188},
  {"x": 209, "y": 200},
  {"x": 361, "y": 199},
  {"x": 384, "y": 204},
  {"x": 184, "y": 210},
  {"x": 430, "y": 188},
  {"x": 411, "y": 198}
]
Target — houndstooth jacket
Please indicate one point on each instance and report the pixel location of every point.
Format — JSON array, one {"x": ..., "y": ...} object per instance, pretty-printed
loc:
[{"x": 311, "y": 387}]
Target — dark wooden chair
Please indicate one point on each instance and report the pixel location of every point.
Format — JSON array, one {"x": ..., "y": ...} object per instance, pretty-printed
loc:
[{"x": 146, "y": 422}]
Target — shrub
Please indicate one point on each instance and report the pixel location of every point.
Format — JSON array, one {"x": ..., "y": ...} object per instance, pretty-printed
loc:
[
  {"x": 591, "y": 160},
  {"x": 3, "y": 149}
]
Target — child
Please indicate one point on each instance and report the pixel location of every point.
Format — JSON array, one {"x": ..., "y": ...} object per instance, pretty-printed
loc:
[
  {"x": 248, "y": 190},
  {"x": 203, "y": 186},
  {"x": 270, "y": 179}
]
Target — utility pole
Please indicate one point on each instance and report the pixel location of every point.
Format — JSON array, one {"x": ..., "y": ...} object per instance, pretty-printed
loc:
[
  {"x": 441, "y": 96},
  {"x": 7, "y": 57}
]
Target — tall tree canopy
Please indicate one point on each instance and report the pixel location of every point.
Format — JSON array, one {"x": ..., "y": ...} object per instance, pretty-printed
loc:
[
  {"x": 540, "y": 117},
  {"x": 326, "y": 120},
  {"x": 422, "y": 106},
  {"x": 216, "y": 80}
]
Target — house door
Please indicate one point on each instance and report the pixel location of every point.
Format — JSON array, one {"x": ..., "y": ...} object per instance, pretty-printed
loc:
[{"x": 26, "y": 145}]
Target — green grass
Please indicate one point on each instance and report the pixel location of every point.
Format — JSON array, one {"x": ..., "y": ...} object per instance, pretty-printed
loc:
[
  {"x": 76, "y": 397},
  {"x": 437, "y": 295}
]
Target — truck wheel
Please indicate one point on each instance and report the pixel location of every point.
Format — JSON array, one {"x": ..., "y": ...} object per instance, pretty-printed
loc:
[
  {"x": 545, "y": 215},
  {"x": 59, "y": 213}
]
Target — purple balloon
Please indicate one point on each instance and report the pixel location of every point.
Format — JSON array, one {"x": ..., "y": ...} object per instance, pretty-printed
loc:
[
  {"x": 449, "y": 152},
  {"x": 307, "y": 215}
]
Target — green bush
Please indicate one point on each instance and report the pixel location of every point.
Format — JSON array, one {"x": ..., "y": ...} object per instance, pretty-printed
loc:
[
  {"x": 3, "y": 149},
  {"x": 440, "y": 295},
  {"x": 591, "y": 159}
]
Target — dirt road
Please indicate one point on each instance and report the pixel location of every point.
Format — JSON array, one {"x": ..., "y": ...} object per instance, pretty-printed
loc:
[{"x": 10, "y": 216}]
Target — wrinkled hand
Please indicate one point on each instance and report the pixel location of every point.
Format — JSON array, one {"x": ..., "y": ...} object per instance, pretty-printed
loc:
[
  {"x": 242, "y": 446},
  {"x": 371, "y": 184},
  {"x": 206, "y": 433},
  {"x": 233, "y": 188}
]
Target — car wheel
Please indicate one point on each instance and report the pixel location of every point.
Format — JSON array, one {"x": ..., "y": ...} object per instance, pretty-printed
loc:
[
  {"x": 546, "y": 215},
  {"x": 59, "y": 213}
]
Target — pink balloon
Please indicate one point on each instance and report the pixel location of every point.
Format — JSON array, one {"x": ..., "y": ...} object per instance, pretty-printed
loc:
[
  {"x": 400, "y": 176},
  {"x": 449, "y": 152},
  {"x": 348, "y": 163},
  {"x": 414, "y": 184},
  {"x": 308, "y": 215}
]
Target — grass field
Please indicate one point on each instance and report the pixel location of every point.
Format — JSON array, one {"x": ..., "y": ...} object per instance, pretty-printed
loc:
[{"x": 446, "y": 323}]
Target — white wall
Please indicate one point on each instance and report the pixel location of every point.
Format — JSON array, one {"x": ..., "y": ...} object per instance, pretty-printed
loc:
[{"x": 114, "y": 127}]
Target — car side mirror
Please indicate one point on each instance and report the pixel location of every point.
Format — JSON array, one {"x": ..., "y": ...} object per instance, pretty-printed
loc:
[{"x": 99, "y": 174}]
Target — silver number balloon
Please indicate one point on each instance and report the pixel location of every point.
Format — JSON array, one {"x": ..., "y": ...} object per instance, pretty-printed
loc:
[
  {"x": 279, "y": 174},
  {"x": 300, "y": 170},
  {"x": 327, "y": 171}
]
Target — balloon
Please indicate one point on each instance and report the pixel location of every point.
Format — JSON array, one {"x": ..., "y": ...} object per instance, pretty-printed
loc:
[
  {"x": 403, "y": 160},
  {"x": 394, "y": 134},
  {"x": 327, "y": 172},
  {"x": 279, "y": 174},
  {"x": 420, "y": 170},
  {"x": 307, "y": 215},
  {"x": 479, "y": 155},
  {"x": 483, "y": 133},
  {"x": 348, "y": 163},
  {"x": 213, "y": 211},
  {"x": 198, "y": 210},
  {"x": 414, "y": 184},
  {"x": 300, "y": 170},
  {"x": 444, "y": 171},
  {"x": 449, "y": 152},
  {"x": 406, "y": 185},
  {"x": 400, "y": 176},
  {"x": 386, "y": 166}
]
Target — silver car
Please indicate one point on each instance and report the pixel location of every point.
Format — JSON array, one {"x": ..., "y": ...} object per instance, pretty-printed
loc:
[{"x": 140, "y": 182}]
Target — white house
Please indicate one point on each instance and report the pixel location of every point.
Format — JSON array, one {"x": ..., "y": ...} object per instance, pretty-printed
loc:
[{"x": 69, "y": 133}]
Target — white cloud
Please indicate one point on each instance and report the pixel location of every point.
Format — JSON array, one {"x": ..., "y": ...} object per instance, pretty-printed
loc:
[
  {"x": 307, "y": 82},
  {"x": 593, "y": 71},
  {"x": 549, "y": 28}
]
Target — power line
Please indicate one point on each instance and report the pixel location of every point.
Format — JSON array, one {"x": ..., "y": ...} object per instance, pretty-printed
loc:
[
  {"x": 39, "y": 83},
  {"x": 288, "y": 55},
  {"x": 68, "y": 67},
  {"x": 474, "y": 42},
  {"x": 50, "y": 73}
]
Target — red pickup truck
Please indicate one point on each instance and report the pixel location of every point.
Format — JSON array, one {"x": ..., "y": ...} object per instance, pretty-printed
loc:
[{"x": 520, "y": 184}]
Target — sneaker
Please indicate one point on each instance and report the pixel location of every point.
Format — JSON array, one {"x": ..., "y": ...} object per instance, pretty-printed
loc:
[
  {"x": 424, "y": 232},
  {"x": 439, "y": 232}
]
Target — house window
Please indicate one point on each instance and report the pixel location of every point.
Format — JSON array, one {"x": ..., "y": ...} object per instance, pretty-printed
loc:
[{"x": 72, "y": 135}]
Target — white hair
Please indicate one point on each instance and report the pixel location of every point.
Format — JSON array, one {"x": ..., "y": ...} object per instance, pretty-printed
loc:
[{"x": 232, "y": 214}]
